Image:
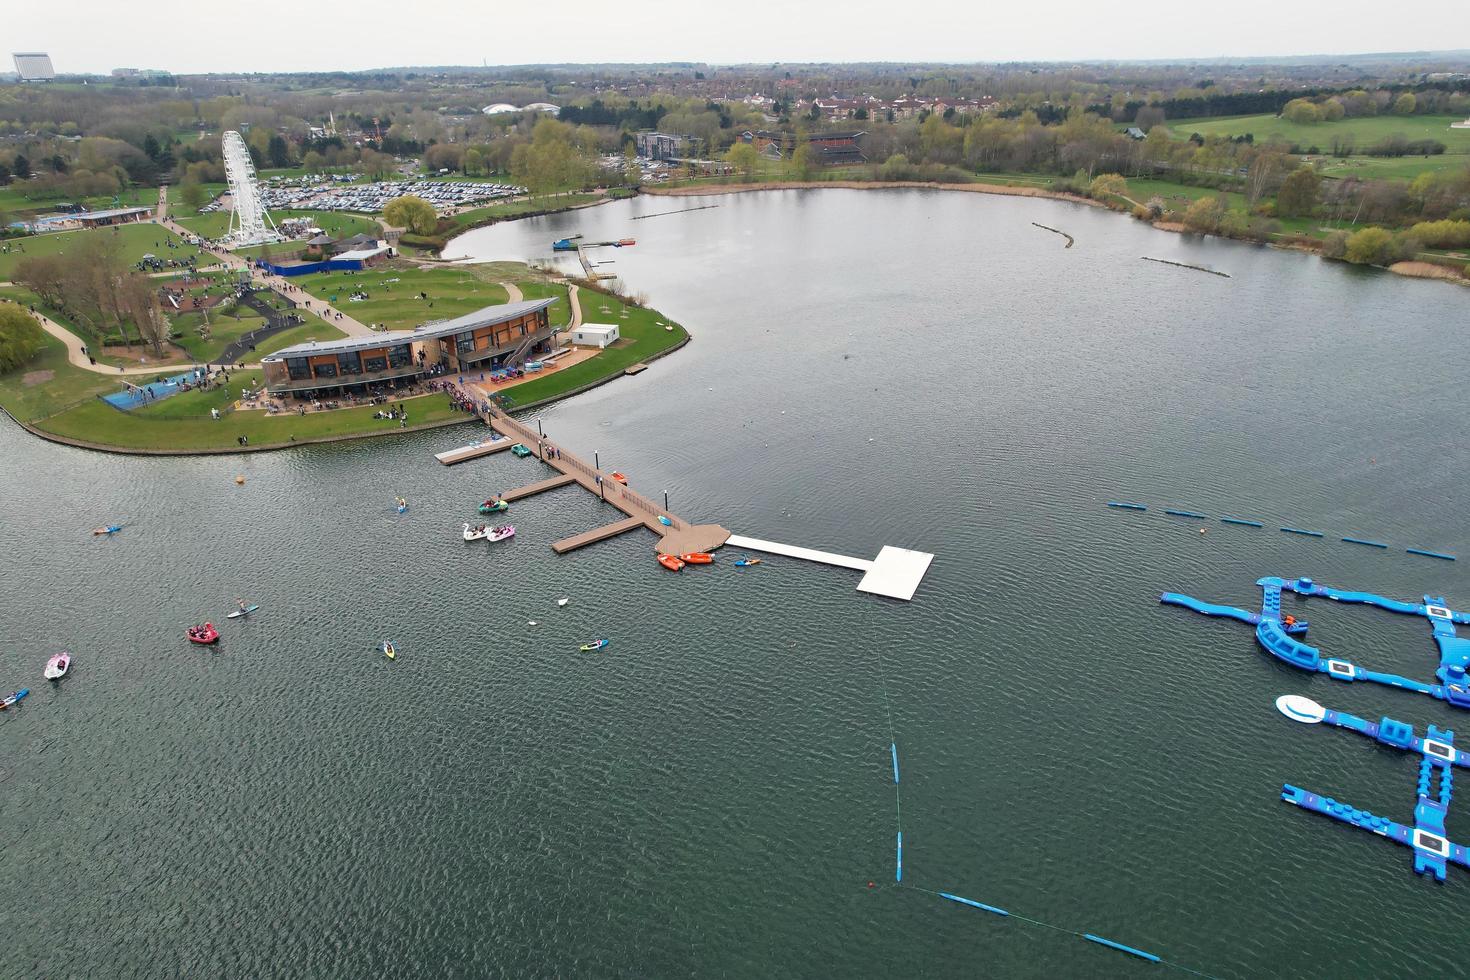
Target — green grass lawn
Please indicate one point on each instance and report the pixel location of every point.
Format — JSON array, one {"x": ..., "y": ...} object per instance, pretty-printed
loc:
[
  {"x": 95, "y": 421},
  {"x": 1364, "y": 130},
  {"x": 224, "y": 330},
  {"x": 49, "y": 384},
  {"x": 453, "y": 292},
  {"x": 513, "y": 208},
  {"x": 137, "y": 240},
  {"x": 310, "y": 330},
  {"x": 560, "y": 311},
  {"x": 641, "y": 339},
  {"x": 338, "y": 224}
]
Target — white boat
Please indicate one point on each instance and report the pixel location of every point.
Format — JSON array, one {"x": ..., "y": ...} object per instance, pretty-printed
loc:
[
  {"x": 476, "y": 533},
  {"x": 501, "y": 533}
]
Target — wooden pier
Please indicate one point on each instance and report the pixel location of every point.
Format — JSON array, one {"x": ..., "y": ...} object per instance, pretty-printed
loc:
[
  {"x": 677, "y": 537},
  {"x": 597, "y": 534},
  {"x": 540, "y": 486},
  {"x": 473, "y": 451},
  {"x": 895, "y": 572}
]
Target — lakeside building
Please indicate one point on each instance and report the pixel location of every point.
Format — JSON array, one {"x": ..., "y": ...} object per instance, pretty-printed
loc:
[
  {"x": 665, "y": 146},
  {"x": 89, "y": 219},
  {"x": 599, "y": 335},
  {"x": 503, "y": 336},
  {"x": 829, "y": 149}
]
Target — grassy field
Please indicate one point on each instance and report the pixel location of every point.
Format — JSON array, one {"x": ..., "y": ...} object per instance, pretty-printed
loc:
[
  {"x": 451, "y": 291},
  {"x": 14, "y": 199},
  {"x": 1363, "y": 130},
  {"x": 137, "y": 240},
  {"x": 49, "y": 384},
  {"x": 514, "y": 208},
  {"x": 335, "y": 223},
  {"x": 560, "y": 311},
  {"x": 642, "y": 338},
  {"x": 98, "y": 422}
]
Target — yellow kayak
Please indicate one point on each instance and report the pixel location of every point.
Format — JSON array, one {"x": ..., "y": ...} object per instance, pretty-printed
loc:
[{"x": 389, "y": 650}]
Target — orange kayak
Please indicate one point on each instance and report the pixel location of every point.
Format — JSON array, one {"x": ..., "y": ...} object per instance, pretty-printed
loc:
[
  {"x": 670, "y": 562},
  {"x": 619, "y": 477},
  {"x": 698, "y": 558}
]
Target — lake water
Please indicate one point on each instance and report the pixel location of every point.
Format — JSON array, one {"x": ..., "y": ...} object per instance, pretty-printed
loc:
[{"x": 711, "y": 795}]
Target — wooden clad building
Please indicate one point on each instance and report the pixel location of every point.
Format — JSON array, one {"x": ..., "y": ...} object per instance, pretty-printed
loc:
[{"x": 494, "y": 337}]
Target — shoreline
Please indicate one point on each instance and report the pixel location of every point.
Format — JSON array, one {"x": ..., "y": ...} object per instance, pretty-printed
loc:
[
  {"x": 1413, "y": 269},
  {"x": 866, "y": 185}
]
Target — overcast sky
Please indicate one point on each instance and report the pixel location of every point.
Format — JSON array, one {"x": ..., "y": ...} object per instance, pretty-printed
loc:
[{"x": 272, "y": 35}]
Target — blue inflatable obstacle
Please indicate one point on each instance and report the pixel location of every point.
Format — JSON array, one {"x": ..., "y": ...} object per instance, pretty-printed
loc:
[
  {"x": 1242, "y": 521},
  {"x": 1126, "y": 506},
  {"x": 1431, "y": 846},
  {"x": 1370, "y": 544},
  {"x": 1297, "y": 530},
  {"x": 1188, "y": 513},
  {"x": 1430, "y": 554},
  {"x": 1276, "y": 634}
]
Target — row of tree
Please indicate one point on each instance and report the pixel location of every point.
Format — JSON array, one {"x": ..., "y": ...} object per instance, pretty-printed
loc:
[{"x": 95, "y": 288}]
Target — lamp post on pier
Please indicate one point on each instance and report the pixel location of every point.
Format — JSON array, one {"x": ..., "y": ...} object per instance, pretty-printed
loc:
[
  {"x": 596, "y": 465},
  {"x": 666, "y": 500},
  {"x": 538, "y": 429}
]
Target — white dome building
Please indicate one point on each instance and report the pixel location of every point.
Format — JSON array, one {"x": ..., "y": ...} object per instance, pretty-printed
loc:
[
  {"x": 545, "y": 107},
  {"x": 499, "y": 108}
]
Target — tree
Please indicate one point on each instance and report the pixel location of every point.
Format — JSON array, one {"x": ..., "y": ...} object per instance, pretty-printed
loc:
[
  {"x": 20, "y": 166},
  {"x": 313, "y": 162},
  {"x": 278, "y": 152},
  {"x": 378, "y": 166},
  {"x": 1371, "y": 246},
  {"x": 191, "y": 192},
  {"x": 1105, "y": 185},
  {"x": 1205, "y": 214},
  {"x": 1405, "y": 104},
  {"x": 801, "y": 161},
  {"x": 140, "y": 299},
  {"x": 473, "y": 162},
  {"x": 44, "y": 275},
  {"x": 1334, "y": 245},
  {"x": 1302, "y": 112},
  {"x": 743, "y": 157},
  {"x": 411, "y": 212},
  {"x": 20, "y": 337},
  {"x": 1298, "y": 194}
]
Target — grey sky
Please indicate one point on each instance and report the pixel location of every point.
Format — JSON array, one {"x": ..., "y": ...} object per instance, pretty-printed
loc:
[{"x": 272, "y": 35}]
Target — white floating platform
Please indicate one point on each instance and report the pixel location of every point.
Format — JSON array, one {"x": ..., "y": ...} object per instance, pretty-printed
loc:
[
  {"x": 895, "y": 573},
  {"x": 473, "y": 451}
]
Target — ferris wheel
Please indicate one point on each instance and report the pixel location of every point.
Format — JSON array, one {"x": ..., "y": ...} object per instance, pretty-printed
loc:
[{"x": 250, "y": 224}]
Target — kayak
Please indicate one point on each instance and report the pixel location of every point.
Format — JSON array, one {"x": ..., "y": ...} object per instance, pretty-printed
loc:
[
  {"x": 746, "y": 562},
  {"x": 18, "y": 695},
  {"x": 665, "y": 521},
  {"x": 594, "y": 645},
  {"x": 57, "y": 666},
  {"x": 501, "y": 533},
  {"x": 671, "y": 563},
  {"x": 494, "y": 506},
  {"x": 520, "y": 450},
  {"x": 476, "y": 533},
  {"x": 389, "y": 650},
  {"x": 241, "y": 612},
  {"x": 204, "y": 635},
  {"x": 619, "y": 477},
  {"x": 109, "y": 529},
  {"x": 698, "y": 558}
]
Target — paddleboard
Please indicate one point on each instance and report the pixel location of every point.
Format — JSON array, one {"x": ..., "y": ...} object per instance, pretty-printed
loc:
[{"x": 241, "y": 612}]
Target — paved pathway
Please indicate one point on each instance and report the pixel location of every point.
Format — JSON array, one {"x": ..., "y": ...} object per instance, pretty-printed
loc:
[
  {"x": 292, "y": 294},
  {"x": 513, "y": 292},
  {"x": 76, "y": 358}
]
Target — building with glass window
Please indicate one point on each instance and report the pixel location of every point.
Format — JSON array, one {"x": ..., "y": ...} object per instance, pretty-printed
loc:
[{"x": 502, "y": 336}]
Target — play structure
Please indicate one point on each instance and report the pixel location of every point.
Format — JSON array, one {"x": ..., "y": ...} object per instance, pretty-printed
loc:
[
  {"x": 1277, "y": 633},
  {"x": 1438, "y": 755}
]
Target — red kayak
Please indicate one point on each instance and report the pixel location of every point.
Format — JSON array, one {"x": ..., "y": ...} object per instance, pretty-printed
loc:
[{"x": 205, "y": 634}]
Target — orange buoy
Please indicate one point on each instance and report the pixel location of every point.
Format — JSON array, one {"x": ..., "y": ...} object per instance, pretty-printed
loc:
[{"x": 239, "y": 481}]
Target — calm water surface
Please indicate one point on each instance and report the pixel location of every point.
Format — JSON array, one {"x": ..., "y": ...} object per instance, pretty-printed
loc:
[{"x": 710, "y": 797}]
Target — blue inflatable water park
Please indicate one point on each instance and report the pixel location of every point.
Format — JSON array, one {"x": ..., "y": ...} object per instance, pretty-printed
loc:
[
  {"x": 1278, "y": 634},
  {"x": 1433, "y": 850}
]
